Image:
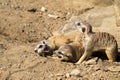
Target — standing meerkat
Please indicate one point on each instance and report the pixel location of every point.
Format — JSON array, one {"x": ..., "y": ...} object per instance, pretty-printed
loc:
[
  {"x": 70, "y": 52},
  {"x": 96, "y": 41}
]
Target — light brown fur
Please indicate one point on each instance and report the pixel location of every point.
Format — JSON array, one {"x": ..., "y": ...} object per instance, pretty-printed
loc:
[
  {"x": 70, "y": 52},
  {"x": 55, "y": 42},
  {"x": 95, "y": 41}
]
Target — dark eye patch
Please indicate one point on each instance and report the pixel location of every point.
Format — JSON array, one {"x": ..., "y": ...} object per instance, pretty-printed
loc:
[
  {"x": 78, "y": 24},
  {"x": 43, "y": 42},
  {"x": 83, "y": 29},
  {"x": 40, "y": 46},
  {"x": 60, "y": 52}
]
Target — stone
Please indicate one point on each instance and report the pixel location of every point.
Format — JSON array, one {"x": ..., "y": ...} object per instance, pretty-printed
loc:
[
  {"x": 59, "y": 74},
  {"x": 75, "y": 72},
  {"x": 43, "y": 9},
  {"x": 53, "y": 16},
  {"x": 59, "y": 78},
  {"x": 67, "y": 75},
  {"x": 92, "y": 61},
  {"x": 114, "y": 68}
]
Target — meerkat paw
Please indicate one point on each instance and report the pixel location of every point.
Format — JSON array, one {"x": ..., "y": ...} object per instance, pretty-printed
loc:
[
  {"x": 111, "y": 60},
  {"x": 77, "y": 63}
]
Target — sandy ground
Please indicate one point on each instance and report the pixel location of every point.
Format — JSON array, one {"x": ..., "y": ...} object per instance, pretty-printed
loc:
[{"x": 23, "y": 25}]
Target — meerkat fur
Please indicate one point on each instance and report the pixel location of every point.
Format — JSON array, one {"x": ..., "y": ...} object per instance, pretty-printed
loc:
[
  {"x": 96, "y": 41},
  {"x": 70, "y": 52},
  {"x": 54, "y": 42}
]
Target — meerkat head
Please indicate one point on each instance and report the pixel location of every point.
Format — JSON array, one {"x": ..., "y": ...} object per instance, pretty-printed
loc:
[
  {"x": 42, "y": 48},
  {"x": 84, "y": 27},
  {"x": 64, "y": 53}
]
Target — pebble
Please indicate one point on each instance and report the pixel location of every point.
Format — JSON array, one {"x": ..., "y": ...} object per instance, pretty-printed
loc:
[
  {"x": 59, "y": 74},
  {"x": 75, "y": 72},
  {"x": 53, "y": 16},
  {"x": 43, "y": 9},
  {"x": 59, "y": 78},
  {"x": 114, "y": 68},
  {"x": 67, "y": 75},
  {"x": 92, "y": 61}
]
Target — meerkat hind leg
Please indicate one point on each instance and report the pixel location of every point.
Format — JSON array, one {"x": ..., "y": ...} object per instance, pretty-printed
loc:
[{"x": 111, "y": 55}]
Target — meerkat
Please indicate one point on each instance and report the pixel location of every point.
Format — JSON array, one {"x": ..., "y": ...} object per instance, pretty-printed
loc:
[
  {"x": 48, "y": 46},
  {"x": 70, "y": 52},
  {"x": 94, "y": 41}
]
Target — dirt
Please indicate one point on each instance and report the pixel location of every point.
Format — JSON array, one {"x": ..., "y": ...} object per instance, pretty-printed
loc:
[{"x": 23, "y": 25}]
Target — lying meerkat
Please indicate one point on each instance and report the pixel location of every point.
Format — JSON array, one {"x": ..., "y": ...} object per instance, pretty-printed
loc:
[
  {"x": 94, "y": 41},
  {"x": 70, "y": 52},
  {"x": 48, "y": 46}
]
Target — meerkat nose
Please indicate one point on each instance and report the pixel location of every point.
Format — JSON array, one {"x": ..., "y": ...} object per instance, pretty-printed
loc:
[{"x": 35, "y": 51}]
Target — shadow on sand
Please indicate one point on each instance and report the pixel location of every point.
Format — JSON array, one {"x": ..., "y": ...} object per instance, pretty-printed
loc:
[{"x": 102, "y": 55}]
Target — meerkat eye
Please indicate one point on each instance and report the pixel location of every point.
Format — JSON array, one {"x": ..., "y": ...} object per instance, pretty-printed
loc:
[
  {"x": 40, "y": 46},
  {"x": 43, "y": 42},
  {"x": 78, "y": 24},
  {"x": 60, "y": 52}
]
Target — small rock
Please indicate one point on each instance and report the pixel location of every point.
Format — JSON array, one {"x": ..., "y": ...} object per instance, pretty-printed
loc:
[
  {"x": 4, "y": 68},
  {"x": 96, "y": 67},
  {"x": 67, "y": 75},
  {"x": 92, "y": 61},
  {"x": 33, "y": 10},
  {"x": 53, "y": 16},
  {"x": 96, "y": 73},
  {"x": 43, "y": 9},
  {"x": 114, "y": 68},
  {"x": 11, "y": 6},
  {"x": 75, "y": 72},
  {"x": 59, "y": 78},
  {"x": 59, "y": 74}
]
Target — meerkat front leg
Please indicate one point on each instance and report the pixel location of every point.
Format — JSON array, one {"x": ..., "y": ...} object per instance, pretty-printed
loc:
[{"x": 85, "y": 56}]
